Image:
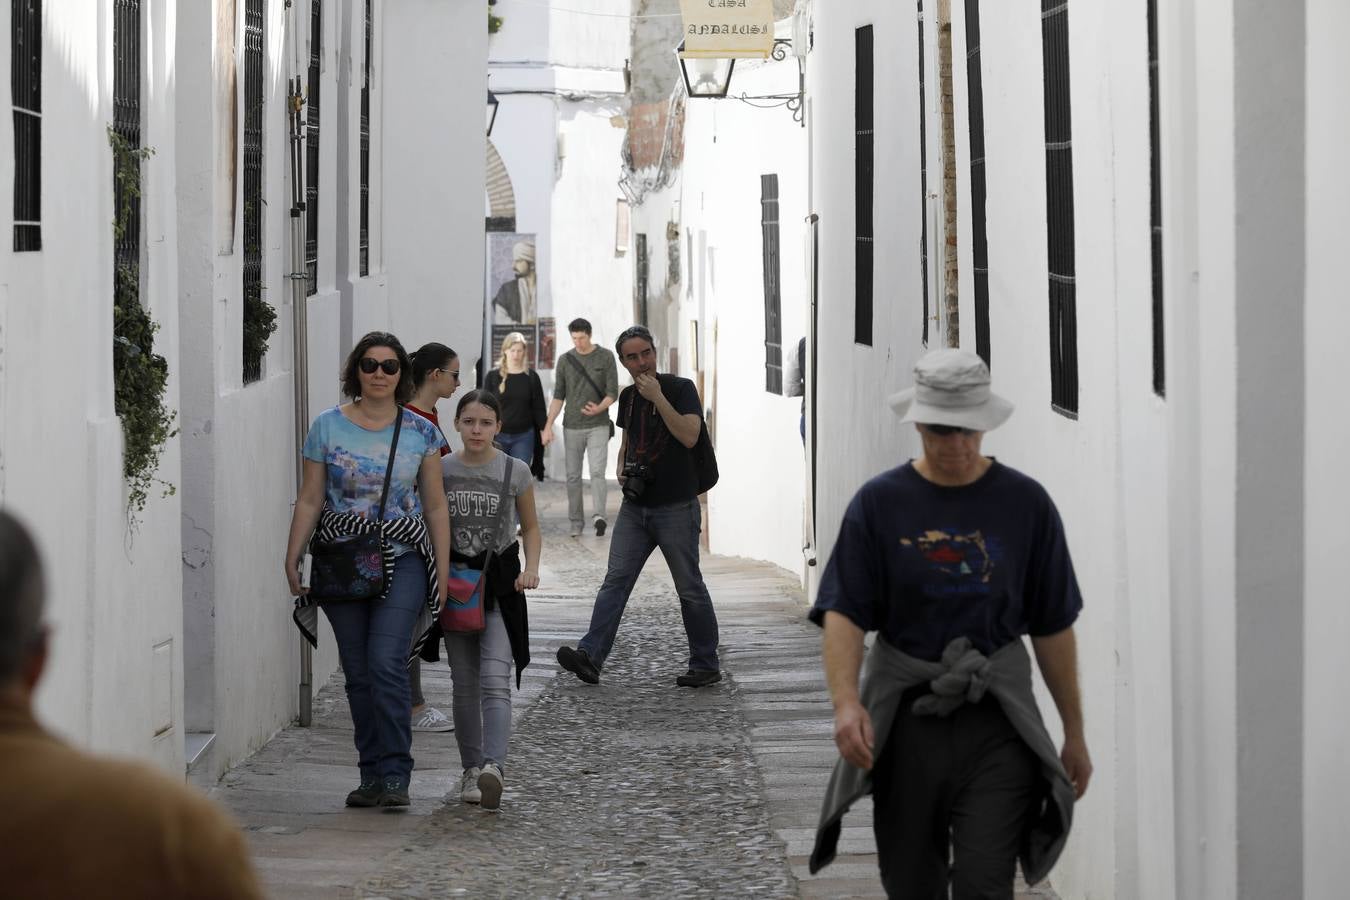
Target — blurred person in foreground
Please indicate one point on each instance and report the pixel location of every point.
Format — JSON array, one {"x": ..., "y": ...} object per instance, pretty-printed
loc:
[{"x": 76, "y": 825}]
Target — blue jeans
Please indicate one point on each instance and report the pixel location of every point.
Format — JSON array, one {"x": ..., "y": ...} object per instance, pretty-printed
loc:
[
  {"x": 373, "y": 638},
  {"x": 521, "y": 445},
  {"x": 637, "y": 532}
]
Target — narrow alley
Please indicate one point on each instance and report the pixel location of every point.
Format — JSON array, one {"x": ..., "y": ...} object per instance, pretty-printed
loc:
[{"x": 633, "y": 788}]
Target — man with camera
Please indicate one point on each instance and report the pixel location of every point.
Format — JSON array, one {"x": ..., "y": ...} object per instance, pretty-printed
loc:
[{"x": 661, "y": 417}]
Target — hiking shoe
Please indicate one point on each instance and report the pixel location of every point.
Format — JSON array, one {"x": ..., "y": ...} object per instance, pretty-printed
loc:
[
  {"x": 468, "y": 786},
  {"x": 395, "y": 793},
  {"x": 600, "y": 525},
  {"x": 432, "y": 719},
  {"x": 490, "y": 785},
  {"x": 579, "y": 664},
  {"x": 699, "y": 678},
  {"x": 368, "y": 794}
]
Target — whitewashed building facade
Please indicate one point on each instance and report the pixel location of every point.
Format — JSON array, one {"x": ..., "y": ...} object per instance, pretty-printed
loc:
[{"x": 174, "y": 636}]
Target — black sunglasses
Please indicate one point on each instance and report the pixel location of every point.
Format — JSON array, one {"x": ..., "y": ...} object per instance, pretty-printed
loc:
[
  {"x": 369, "y": 364},
  {"x": 945, "y": 430},
  {"x": 454, "y": 374}
]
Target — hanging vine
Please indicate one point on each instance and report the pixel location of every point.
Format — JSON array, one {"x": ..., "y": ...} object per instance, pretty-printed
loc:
[
  {"x": 494, "y": 22},
  {"x": 139, "y": 374}
]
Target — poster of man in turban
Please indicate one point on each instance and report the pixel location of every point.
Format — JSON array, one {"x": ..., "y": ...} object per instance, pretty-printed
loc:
[{"x": 513, "y": 281}]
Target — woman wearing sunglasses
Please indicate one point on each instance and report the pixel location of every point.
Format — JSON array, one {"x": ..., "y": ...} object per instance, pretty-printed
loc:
[
  {"x": 346, "y": 456},
  {"x": 435, "y": 377}
]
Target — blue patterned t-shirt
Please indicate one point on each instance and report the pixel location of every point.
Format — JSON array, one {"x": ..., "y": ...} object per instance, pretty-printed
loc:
[{"x": 355, "y": 459}]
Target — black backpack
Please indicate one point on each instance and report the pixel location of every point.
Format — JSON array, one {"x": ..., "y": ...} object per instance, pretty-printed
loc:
[
  {"x": 702, "y": 453},
  {"x": 705, "y": 460}
]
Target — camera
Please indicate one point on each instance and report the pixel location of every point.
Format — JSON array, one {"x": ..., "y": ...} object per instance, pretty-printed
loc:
[{"x": 636, "y": 475}]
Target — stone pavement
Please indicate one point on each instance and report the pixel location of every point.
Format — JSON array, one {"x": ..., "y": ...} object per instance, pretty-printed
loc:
[{"x": 632, "y": 788}]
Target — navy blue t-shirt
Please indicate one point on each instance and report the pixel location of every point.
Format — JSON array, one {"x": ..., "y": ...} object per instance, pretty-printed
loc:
[{"x": 924, "y": 564}]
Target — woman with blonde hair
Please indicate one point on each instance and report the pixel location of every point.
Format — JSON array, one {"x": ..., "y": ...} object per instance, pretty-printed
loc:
[{"x": 521, "y": 393}]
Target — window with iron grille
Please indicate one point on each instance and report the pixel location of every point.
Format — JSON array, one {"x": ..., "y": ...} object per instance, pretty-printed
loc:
[
  {"x": 365, "y": 141},
  {"x": 127, "y": 126},
  {"x": 253, "y": 173},
  {"x": 1059, "y": 208},
  {"x": 923, "y": 182},
  {"x": 312, "y": 149},
  {"x": 773, "y": 300},
  {"x": 640, "y": 279},
  {"x": 979, "y": 235},
  {"x": 862, "y": 186},
  {"x": 1155, "y": 201},
  {"x": 26, "y": 92}
]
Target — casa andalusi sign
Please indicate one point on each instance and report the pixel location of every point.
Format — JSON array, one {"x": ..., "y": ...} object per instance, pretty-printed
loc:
[{"x": 727, "y": 29}]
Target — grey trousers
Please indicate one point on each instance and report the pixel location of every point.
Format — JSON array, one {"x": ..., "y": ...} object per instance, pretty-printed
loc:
[
  {"x": 951, "y": 797},
  {"x": 480, "y": 665},
  {"x": 579, "y": 442}
]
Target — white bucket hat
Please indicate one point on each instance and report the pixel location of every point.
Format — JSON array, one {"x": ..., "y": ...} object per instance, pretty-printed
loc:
[{"x": 951, "y": 387}]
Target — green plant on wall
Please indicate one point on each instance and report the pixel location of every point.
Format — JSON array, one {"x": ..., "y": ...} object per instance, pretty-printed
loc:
[
  {"x": 139, "y": 374},
  {"x": 494, "y": 22}
]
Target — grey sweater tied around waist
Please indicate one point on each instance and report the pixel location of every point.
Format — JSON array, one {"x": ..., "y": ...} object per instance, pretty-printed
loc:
[{"x": 964, "y": 675}]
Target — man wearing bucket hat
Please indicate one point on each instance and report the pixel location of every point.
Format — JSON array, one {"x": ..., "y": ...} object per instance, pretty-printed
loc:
[{"x": 952, "y": 558}]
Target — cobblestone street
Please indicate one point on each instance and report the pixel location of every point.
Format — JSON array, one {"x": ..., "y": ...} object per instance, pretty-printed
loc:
[{"x": 633, "y": 788}]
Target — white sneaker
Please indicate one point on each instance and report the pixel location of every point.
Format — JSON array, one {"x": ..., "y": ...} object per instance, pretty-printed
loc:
[
  {"x": 432, "y": 719},
  {"x": 469, "y": 791},
  {"x": 490, "y": 787}
]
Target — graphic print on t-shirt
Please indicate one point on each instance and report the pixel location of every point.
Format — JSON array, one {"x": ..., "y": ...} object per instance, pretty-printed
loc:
[
  {"x": 474, "y": 514},
  {"x": 958, "y": 564}
]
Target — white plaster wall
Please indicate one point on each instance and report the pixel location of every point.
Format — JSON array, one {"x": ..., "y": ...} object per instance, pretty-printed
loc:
[
  {"x": 1326, "y": 734},
  {"x": 853, "y": 381},
  {"x": 524, "y": 36},
  {"x": 112, "y": 592},
  {"x": 1197, "y": 89},
  {"x": 599, "y": 40},
  {"x": 728, "y": 146},
  {"x": 433, "y": 170}
]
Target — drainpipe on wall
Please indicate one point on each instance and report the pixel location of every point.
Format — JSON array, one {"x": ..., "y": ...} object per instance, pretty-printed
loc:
[
  {"x": 300, "y": 319},
  {"x": 950, "y": 285}
]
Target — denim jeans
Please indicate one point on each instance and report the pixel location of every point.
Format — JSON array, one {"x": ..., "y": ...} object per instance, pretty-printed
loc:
[
  {"x": 637, "y": 532},
  {"x": 480, "y": 665},
  {"x": 521, "y": 445},
  {"x": 578, "y": 443},
  {"x": 373, "y": 638}
]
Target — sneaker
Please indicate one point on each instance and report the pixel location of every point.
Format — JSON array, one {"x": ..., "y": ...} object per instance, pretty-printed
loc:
[
  {"x": 576, "y": 529},
  {"x": 395, "y": 793},
  {"x": 600, "y": 524},
  {"x": 432, "y": 719},
  {"x": 699, "y": 678},
  {"x": 579, "y": 664},
  {"x": 367, "y": 795},
  {"x": 468, "y": 786},
  {"x": 490, "y": 786}
]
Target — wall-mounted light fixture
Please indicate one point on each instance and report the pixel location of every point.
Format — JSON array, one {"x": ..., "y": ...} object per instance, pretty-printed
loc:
[
  {"x": 710, "y": 78},
  {"x": 492, "y": 104}
]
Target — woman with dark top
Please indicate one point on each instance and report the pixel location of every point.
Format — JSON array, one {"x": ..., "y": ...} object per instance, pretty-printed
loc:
[
  {"x": 435, "y": 377},
  {"x": 347, "y": 453},
  {"x": 521, "y": 393}
]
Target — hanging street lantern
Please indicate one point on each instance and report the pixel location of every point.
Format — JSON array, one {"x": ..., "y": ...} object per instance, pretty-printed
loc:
[{"x": 708, "y": 77}]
